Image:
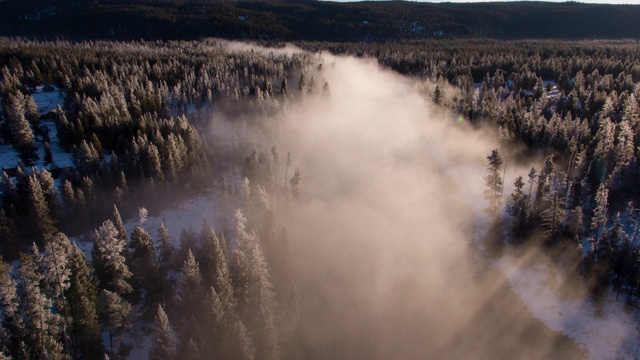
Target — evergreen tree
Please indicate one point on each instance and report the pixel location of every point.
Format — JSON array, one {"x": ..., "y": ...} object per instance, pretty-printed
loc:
[
  {"x": 11, "y": 321},
  {"x": 83, "y": 299},
  {"x": 43, "y": 225},
  {"x": 167, "y": 249},
  {"x": 122, "y": 232},
  {"x": 43, "y": 328},
  {"x": 599, "y": 220},
  {"x": 22, "y": 136},
  {"x": 7, "y": 233},
  {"x": 256, "y": 299},
  {"x": 493, "y": 183},
  {"x": 115, "y": 314},
  {"x": 145, "y": 268},
  {"x": 190, "y": 305},
  {"x": 518, "y": 209},
  {"x": 109, "y": 255},
  {"x": 437, "y": 96},
  {"x": 553, "y": 214},
  {"x": 164, "y": 345},
  {"x": 295, "y": 183},
  {"x": 31, "y": 111},
  {"x": 166, "y": 259}
]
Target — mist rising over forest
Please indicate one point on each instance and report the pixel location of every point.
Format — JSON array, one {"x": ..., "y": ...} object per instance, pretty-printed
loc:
[
  {"x": 180, "y": 199},
  {"x": 392, "y": 201}
]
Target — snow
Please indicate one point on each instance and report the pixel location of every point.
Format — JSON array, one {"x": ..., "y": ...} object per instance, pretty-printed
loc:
[
  {"x": 613, "y": 335},
  {"x": 47, "y": 101},
  {"x": 190, "y": 215}
]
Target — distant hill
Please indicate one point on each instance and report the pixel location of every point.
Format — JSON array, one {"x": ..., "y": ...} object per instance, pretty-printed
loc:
[{"x": 313, "y": 20}]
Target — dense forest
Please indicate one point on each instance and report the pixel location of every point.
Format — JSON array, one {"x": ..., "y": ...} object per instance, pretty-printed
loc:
[
  {"x": 126, "y": 121},
  {"x": 136, "y": 118},
  {"x": 281, "y": 20}
]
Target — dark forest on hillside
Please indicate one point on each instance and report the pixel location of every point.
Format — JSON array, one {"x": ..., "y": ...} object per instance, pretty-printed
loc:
[{"x": 280, "y": 20}]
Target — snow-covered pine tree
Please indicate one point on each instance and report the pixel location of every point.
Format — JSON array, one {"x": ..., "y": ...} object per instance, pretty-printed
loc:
[
  {"x": 43, "y": 328},
  {"x": 117, "y": 222},
  {"x": 11, "y": 321},
  {"x": 22, "y": 135},
  {"x": 493, "y": 184},
  {"x": 43, "y": 225},
  {"x": 256, "y": 299},
  {"x": 189, "y": 303},
  {"x": 163, "y": 342},
  {"x": 109, "y": 256},
  {"x": 82, "y": 297}
]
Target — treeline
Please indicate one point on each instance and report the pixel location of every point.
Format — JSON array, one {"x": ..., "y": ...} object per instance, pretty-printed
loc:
[{"x": 281, "y": 20}]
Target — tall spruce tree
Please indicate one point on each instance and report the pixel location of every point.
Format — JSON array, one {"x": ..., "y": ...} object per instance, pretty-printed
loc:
[
  {"x": 11, "y": 321},
  {"x": 43, "y": 327},
  {"x": 163, "y": 342},
  {"x": 145, "y": 269},
  {"x": 115, "y": 314},
  {"x": 83, "y": 300},
  {"x": 493, "y": 184},
  {"x": 109, "y": 256}
]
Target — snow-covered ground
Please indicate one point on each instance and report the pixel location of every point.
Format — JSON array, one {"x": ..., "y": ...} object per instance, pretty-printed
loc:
[
  {"x": 613, "y": 335},
  {"x": 47, "y": 100}
]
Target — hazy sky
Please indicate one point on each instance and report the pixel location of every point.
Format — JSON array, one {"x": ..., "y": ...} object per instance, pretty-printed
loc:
[{"x": 635, "y": 2}]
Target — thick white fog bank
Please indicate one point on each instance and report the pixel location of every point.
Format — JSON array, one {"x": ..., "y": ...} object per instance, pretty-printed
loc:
[{"x": 391, "y": 191}]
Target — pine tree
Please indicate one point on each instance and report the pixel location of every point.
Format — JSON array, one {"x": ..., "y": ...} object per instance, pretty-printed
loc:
[
  {"x": 518, "y": 209},
  {"x": 599, "y": 219},
  {"x": 31, "y": 111},
  {"x": 122, "y": 232},
  {"x": 109, "y": 255},
  {"x": 43, "y": 328},
  {"x": 553, "y": 214},
  {"x": 55, "y": 266},
  {"x": 189, "y": 303},
  {"x": 22, "y": 136},
  {"x": 437, "y": 96},
  {"x": 83, "y": 300},
  {"x": 164, "y": 345},
  {"x": 493, "y": 183},
  {"x": 255, "y": 291},
  {"x": 167, "y": 249},
  {"x": 11, "y": 321},
  {"x": 115, "y": 313},
  {"x": 295, "y": 183},
  {"x": 7, "y": 233},
  {"x": 166, "y": 259},
  {"x": 43, "y": 225},
  {"x": 207, "y": 256},
  {"x": 145, "y": 268}
]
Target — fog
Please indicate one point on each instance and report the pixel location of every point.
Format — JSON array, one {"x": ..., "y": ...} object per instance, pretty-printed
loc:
[{"x": 386, "y": 234}]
